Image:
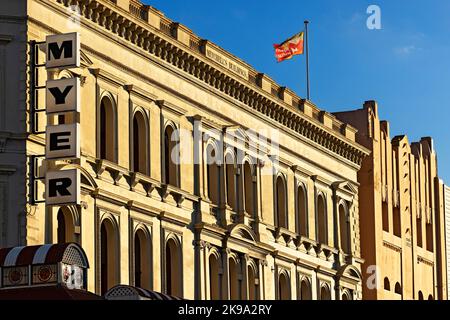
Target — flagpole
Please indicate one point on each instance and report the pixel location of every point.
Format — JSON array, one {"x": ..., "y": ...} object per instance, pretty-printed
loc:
[{"x": 307, "y": 60}]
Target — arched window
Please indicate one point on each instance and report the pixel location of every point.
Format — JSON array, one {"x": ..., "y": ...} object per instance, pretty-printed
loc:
[
  {"x": 171, "y": 157},
  {"x": 108, "y": 256},
  {"x": 302, "y": 211},
  {"x": 231, "y": 182},
  {"x": 66, "y": 227},
  {"x": 249, "y": 190},
  {"x": 322, "y": 236},
  {"x": 281, "y": 203},
  {"x": 346, "y": 296},
  {"x": 387, "y": 284},
  {"x": 429, "y": 234},
  {"x": 139, "y": 146},
  {"x": 430, "y": 297},
  {"x": 344, "y": 227},
  {"x": 325, "y": 293},
  {"x": 214, "y": 278},
  {"x": 398, "y": 288},
  {"x": 396, "y": 219},
  {"x": 284, "y": 288},
  {"x": 142, "y": 260},
  {"x": 213, "y": 173},
  {"x": 235, "y": 280},
  {"x": 419, "y": 231},
  {"x": 107, "y": 130},
  {"x": 174, "y": 283},
  {"x": 305, "y": 290},
  {"x": 385, "y": 216},
  {"x": 252, "y": 283},
  {"x": 420, "y": 295}
]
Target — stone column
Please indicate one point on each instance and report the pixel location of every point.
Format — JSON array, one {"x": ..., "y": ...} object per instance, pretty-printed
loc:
[
  {"x": 244, "y": 282},
  {"x": 226, "y": 274}
]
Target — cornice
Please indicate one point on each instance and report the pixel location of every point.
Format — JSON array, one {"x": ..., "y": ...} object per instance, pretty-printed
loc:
[
  {"x": 190, "y": 60},
  {"x": 163, "y": 104}
]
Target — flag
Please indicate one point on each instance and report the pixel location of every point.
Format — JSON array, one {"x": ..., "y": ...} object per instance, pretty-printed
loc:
[{"x": 289, "y": 48}]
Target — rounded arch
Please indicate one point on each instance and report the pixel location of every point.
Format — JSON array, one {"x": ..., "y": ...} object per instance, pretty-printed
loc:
[
  {"x": 430, "y": 297},
  {"x": 302, "y": 210},
  {"x": 86, "y": 177},
  {"x": 325, "y": 291},
  {"x": 214, "y": 252},
  {"x": 251, "y": 161},
  {"x": 284, "y": 285},
  {"x": 65, "y": 74},
  {"x": 107, "y": 127},
  {"x": 173, "y": 266},
  {"x": 398, "y": 288},
  {"x": 253, "y": 282},
  {"x": 109, "y": 252},
  {"x": 350, "y": 271},
  {"x": 230, "y": 178},
  {"x": 242, "y": 231},
  {"x": 387, "y": 284},
  {"x": 143, "y": 261},
  {"x": 305, "y": 288},
  {"x": 249, "y": 186},
  {"x": 344, "y": 226},
  {"x": 321, "y": 209},
  {"x": 67, "y": 218},
  {"x": 215, "y": 277},
  {"x": 171, "y": 154},
  {"x": 235, "y": 277},
  {"x": 420, "y": 295},
  {"x": 139, "y": 145},
  {"x": 346, "y": 295},
  {"x": 281, "y": 201},
  {"x": 213, "y": 162}
]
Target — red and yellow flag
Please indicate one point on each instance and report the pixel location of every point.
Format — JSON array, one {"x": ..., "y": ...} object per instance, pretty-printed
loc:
[{"x": 289, "y": 48}]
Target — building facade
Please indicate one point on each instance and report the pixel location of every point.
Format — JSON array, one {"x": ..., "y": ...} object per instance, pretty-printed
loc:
[
  {"x": 401, "y": 212},
  {"x": 200, "y": 177},
  {"x": 446, "y": 203}
]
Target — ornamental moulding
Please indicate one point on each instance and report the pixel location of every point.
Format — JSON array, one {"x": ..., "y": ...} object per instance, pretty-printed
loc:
[{"x": 158, "y": 45}]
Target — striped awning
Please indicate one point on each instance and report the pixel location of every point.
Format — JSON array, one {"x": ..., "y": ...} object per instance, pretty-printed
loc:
[
  {"x": 70, "y": 253},
  {"x": 124, "y": 292}
]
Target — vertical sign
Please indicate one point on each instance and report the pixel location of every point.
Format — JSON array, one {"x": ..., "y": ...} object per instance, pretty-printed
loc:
[{"x": 62, "y": 141}]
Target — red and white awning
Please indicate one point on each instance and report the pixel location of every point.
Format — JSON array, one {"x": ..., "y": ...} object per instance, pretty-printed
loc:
[{"x": 69, "y": 253}]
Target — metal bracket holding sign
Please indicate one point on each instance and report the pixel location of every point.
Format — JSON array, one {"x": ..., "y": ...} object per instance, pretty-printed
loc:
[{"x": 34, "y": 86}]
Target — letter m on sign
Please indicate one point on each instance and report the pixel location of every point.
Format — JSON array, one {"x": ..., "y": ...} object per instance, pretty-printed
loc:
[{"x": 63, "y": 51}]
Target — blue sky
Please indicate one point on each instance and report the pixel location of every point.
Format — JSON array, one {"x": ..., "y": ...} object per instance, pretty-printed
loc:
[{"x": 405, "y": 66}]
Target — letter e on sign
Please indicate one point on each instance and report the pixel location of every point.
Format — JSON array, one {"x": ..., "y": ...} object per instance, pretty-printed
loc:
[
  {"x": 62, "y": 141},
  {"x": 62, "y": 95},
  {"x": 63, "y": 51},
  {"x": 62, "y": 187}
]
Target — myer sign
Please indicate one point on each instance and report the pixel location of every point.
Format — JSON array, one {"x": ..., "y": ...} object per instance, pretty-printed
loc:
[{"x": 63, "y": 140}]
